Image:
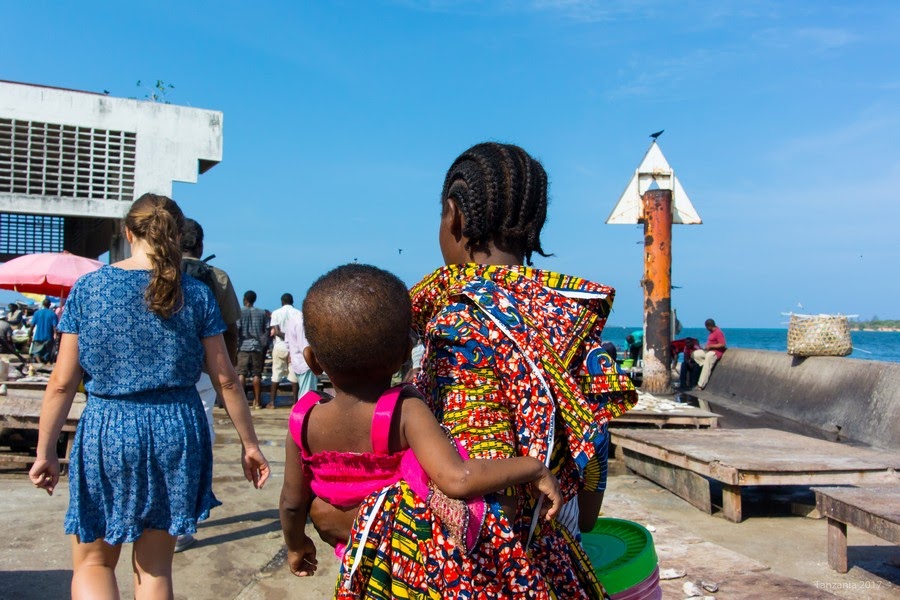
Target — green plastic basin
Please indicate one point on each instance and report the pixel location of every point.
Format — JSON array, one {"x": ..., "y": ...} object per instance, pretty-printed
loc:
[{"x": 621, "y": 553}]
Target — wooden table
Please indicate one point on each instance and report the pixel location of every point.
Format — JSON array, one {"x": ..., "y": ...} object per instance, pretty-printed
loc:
[
  {"x": 875, "y": 509},
  {"x": 684, "y": 461},
  {"x": 21, "y": 409},
  {"x": 687, "y": 416}
]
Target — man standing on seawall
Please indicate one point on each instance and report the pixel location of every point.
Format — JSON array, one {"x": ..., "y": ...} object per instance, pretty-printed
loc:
[
  {"x": 711, "y": 353},
  {"x": 281, "y": 363},
  {"x": 251, "y": 332}
]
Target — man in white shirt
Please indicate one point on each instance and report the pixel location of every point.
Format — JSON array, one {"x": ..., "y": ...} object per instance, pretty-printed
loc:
[{"x": 281, "y": 365}]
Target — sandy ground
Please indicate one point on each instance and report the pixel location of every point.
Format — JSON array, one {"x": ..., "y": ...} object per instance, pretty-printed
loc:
[{"x": 239, "y": 553}]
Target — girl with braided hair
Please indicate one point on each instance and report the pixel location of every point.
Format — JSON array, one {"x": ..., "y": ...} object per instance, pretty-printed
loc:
[
  {"x": 512, "y": 367},
  {"x": 138, "y": 333}
]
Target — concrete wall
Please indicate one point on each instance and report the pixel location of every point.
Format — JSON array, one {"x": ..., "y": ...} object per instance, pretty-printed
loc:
[{"x": 858, "y": 398}]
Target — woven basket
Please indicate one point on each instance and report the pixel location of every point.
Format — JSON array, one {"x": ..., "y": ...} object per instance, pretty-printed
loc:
[{"x": 819, "y": 335}]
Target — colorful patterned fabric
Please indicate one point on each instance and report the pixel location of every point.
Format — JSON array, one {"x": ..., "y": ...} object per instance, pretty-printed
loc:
[
  {"x": 513, "y": 367},
  {"x": 507, "y": 348},
  {"x": 400, "y": 550}
]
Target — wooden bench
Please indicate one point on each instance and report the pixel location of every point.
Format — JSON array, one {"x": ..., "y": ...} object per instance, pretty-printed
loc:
[
  {"x": 684, "y": 461},
  {"x": 21, "y": 409},
  {"x": 875, "y": 509}
]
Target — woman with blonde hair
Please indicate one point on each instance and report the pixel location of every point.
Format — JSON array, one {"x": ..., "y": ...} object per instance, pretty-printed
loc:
[{"x": 138, "y": 333}]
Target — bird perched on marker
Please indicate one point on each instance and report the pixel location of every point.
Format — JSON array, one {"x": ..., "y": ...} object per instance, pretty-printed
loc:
[{"x": 657, "y": 134}]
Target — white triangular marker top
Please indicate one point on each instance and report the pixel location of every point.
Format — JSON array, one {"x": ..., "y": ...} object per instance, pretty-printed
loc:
[{"x": 654, "y": 167}]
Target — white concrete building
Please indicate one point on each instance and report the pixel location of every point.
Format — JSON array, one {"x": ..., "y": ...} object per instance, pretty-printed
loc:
[{"x": 72, "y": 162}]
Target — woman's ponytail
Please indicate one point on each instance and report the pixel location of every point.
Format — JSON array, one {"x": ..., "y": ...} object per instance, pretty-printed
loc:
[{"x": 158, "y": 221}]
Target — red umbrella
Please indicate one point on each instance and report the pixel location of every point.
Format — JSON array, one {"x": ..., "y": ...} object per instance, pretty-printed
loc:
[{"x": 49, "y": 273}]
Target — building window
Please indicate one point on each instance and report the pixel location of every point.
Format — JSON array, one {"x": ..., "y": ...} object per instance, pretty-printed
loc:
[
  {"x": 27, "y": 234},
  {"x": 47, "y": 159}
]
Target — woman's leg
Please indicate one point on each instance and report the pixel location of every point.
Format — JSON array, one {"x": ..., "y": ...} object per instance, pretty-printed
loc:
[
  {"x": 94, "y": 569},
  {"x": 152, "y": 564}
]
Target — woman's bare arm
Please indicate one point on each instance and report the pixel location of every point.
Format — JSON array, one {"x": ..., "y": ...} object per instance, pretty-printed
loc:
[
  {"x": 55, "y": 408},
  {"x": 225, "y": 380},
  {"x": 293, "y": 509},
  {"x": 464, "y": 479}
]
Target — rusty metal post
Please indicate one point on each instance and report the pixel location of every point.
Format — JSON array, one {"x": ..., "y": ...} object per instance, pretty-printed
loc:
[{"x": 657, "y": 283}]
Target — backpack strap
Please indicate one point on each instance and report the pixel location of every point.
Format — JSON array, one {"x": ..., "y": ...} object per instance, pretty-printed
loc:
[
  {"x": 298, "y": 418},
  {"x": 381, "y": 420}
]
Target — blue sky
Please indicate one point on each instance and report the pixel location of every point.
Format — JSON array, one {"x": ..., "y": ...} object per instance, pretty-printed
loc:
[{"x": 340, "y": 119}]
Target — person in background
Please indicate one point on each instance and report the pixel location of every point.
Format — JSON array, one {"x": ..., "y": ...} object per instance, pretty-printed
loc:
[
  {"x": 15, "y": 316},
  {"x": 6, "y": 339},
  {"x": 252, "y": 341},
  {"x": 281, "y": 355},
  {"x": 58, "y": 309},
  {"x": 138, "y": 333},
  {"x": 689, "y": 373},
  {"x": 43, "y": 332},
  {"x": 710, "y": 354},
  {"x": 295, "y": 338},
  {"x": 635, "y": 343},
  {"x": 610, "y": 349},
  {"x": 218, "y": 281},
  {"x": 413, "y": 366}
]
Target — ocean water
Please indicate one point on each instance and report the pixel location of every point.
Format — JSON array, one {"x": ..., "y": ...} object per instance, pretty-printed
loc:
[{"x": 867, "y": 345}]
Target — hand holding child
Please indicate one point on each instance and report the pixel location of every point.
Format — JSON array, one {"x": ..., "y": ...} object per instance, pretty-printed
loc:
[
  {"x": 547, "y": 485},
  {"x": 302, "y": 562}
]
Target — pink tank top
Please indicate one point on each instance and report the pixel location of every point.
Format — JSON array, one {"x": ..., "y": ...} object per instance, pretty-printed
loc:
[{"x": 344, "y": 479}]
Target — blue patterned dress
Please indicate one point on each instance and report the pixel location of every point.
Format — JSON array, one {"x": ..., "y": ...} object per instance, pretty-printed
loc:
[{"x": 142, "y": 457}]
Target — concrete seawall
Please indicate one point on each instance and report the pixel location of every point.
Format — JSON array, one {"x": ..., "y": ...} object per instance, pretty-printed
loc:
[{"x": 860, "y": 399}]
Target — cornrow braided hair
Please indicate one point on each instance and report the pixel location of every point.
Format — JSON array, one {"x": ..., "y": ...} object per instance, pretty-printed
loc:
[
  {"x": 502, "y": 192},
  {"x": 158, "y": 220}
]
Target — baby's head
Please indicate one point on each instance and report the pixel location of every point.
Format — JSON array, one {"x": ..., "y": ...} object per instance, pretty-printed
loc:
[{"x": 357, "y": 320}]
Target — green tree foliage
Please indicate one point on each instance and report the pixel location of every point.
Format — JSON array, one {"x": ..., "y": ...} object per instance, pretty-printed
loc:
[
  {"x": 158, "y": 92},
  {"x": 876, "y": 323}
]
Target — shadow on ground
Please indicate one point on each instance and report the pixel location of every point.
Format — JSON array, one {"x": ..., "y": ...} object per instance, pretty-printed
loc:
[{"x": 28, "y": 585}]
